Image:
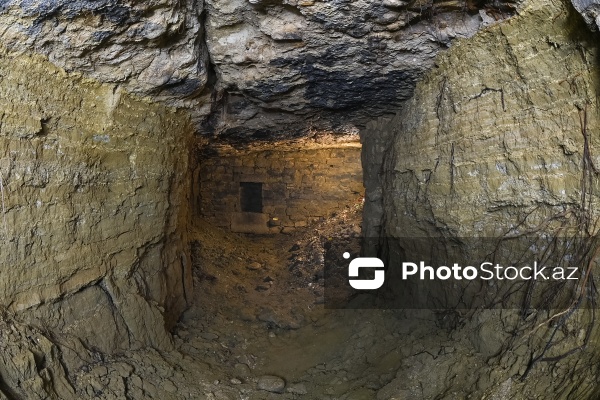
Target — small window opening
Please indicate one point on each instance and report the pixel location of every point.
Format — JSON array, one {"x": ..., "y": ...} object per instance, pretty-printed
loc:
[{"x": 251, "y": 197}]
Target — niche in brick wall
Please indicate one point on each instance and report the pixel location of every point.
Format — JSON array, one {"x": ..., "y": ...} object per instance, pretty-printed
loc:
[{"x": 251, "y": 197}]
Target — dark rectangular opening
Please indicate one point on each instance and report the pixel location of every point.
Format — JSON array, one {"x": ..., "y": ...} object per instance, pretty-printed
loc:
[{"x": 251, "y": 197}]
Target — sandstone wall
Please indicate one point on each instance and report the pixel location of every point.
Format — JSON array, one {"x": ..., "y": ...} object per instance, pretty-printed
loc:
[
  {"x": 300, "y": 185},
  {"x": 495, "y": 129},
  {"x": 499, "y": 140},
  {"x": 94, "y": 191}
]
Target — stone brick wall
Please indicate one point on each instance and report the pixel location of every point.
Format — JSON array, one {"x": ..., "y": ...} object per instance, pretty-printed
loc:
[{"x": 300, "y": 184}]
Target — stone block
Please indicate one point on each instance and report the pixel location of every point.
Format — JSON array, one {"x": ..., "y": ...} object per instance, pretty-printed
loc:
[{"x": 248, "y": 162}]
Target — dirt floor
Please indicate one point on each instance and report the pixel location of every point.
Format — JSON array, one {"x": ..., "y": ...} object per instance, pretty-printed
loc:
[{"x": 259, "y": 329}]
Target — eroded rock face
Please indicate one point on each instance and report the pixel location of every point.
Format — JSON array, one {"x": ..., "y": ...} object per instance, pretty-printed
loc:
[
  {"x": 31, "y": 366},
  {"x": 151, "y": 48},
  {"x": 94, "y": 182},
  {"x": 498, "y": 141},
  {"x": 326, "y": 65},
  {"x": 590, "y": 11},
  {"x": 497, "y": 128},
  {"x": 94, "y": 190},
  {"x": 276, "y": 68}
]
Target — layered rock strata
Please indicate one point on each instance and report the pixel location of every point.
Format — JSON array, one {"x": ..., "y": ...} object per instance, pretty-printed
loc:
[
  {"x": 94, "y": 202},
  {"x": 499, "y": 141}
]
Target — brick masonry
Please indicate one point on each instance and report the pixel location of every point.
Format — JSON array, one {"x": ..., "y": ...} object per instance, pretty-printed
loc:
[{"x": 300, "y": 184}]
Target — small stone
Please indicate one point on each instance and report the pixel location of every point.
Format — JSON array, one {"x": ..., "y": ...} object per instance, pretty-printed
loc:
[
  {"x": 294, "y": 247},
  {"x": 136, "y": 381},
  {"x": 242, "y": 370},
  {"x": 235, "y": 381},
  {"x": 124, "y": 370},
  {"x": 254, "y": 266},
  {"x": 209, "y": 336},
  {"x": 169, "y": 386},
  {"x": 183, "y": 333},
  {"x": 271, "y": 383},
  {"x": 394, "y": 3}
]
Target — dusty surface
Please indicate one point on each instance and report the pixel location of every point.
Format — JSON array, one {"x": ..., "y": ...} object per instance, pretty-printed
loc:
[
  {"x": 510, "y": 140},
  {"x": 507, "y": 132},
  {"x": 499, "y": 140},
  {"x": 94, "y": 189},
  {"x": 262, "y": 332},
  {"x": 502, "y": 128}
]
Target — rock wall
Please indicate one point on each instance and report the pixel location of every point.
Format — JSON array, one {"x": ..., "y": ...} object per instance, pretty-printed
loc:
[
  {"x": 301, "y": 183},
  {"x": 499, "y": 140},
  {"x": 250, "y": 68},
  {"x": 149, "y": 48},
  {"x": 94, "y": 194},
  {"x": 590, "y": 11},
  {"x": 94, "y": 183},
  {"x": 500, "y": 127},
  {"x": 326, "y": 64}
]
